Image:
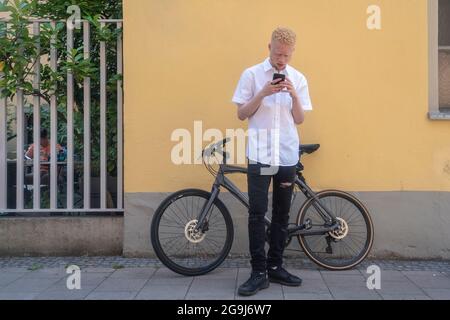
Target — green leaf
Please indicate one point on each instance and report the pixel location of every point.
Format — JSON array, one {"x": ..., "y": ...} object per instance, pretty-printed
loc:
[
  {"x": 28, "y": 86},
  {"x": 35, "y": 266}
]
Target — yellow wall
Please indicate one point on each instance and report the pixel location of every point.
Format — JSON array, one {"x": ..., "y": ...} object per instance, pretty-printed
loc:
[{"x": 183, "y": 59}]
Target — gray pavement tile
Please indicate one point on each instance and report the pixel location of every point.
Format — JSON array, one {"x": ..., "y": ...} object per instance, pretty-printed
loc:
[
  {"x": 203, "y": 288},
  {"x": 62, "y": 286},
  {"x": 243, "y": 275},
  {"x": 345, "y": 280},
  {"x": 306, "y": 274},
  {"x": 393, "y": 275},
  {"x": 18, "y": 295},
  {"x": 221, "y": 273},
  {"x": 7, "y": 278},
  {"x": 94, "y": 275},
  {"x": 438, "y": 294},
  {"x": 399, "y": 280},
  {"x": 29, "y": 285},
  {"x": 121, "y": 284},
  {"x": 98, "y": 269},
  {"x": 45, "y": 274},
  {"x": 112, "y": 295},
  {"x": 399, "y": 287},
  {"x": 133, "y": 273},
  {"x": 166, "y": 276},
  {"x": 162, "y": 292},
  {"x": 213, "y": 284},
  {"x": 215, "y": 295},
  {"x": 402, "y": 296},
  {"x": 346, "y": 293},
  {"x": 175, "y": 281},
  {"x": 316, "y": 286},
  {"x": 421, "y": 273},
  {"x": 49, "y": 271},
  {"x": 390, "y": 275},
  {"x": 86, "y": 279},
  {"x": 13, "y": 270},
  {"x": 353, "y": 272},
  {"x": 64, "y": 295},
  {"x": 307, "y": 296},
  {"x": 430, "y": 280}
]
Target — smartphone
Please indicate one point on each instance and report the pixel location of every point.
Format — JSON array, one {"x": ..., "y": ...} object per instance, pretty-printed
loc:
[{"x": 278, "y": 76}]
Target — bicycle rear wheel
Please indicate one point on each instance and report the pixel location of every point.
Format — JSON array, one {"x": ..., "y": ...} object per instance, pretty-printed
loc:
[
  {"x": 346, "y": 247},
  {"x": 177, "y": 245}
]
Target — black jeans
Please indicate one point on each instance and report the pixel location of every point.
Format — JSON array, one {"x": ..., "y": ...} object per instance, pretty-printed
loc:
[{"x": 258, "y": 179}]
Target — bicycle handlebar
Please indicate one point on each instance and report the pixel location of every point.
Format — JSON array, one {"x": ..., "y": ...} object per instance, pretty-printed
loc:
[{"x": 218, "y": 146}]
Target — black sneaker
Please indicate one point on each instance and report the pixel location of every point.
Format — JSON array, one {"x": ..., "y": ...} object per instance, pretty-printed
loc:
[
  {"x": 281, "y": 276},
  {"x": 256, "y": 282}
]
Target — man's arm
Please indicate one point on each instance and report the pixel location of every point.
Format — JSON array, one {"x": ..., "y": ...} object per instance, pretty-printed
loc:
[
  {"x": 248, "y": 109},
  {"x": 298, "y": 113}
]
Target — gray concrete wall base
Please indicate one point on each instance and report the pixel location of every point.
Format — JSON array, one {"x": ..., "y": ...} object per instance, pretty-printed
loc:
[
  {"x": 408, "y": 225},
  {"x": 61, "y": 236}
]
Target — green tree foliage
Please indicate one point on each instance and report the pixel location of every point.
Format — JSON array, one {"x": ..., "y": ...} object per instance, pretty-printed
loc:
[{"x": 19, "y": 52}]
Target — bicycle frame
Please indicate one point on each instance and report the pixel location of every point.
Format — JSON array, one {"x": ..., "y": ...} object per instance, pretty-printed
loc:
[{"x": 222, "y": 181}]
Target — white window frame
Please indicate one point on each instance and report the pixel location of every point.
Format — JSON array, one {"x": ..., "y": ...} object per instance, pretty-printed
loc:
[{"x": 434, "y": 112}]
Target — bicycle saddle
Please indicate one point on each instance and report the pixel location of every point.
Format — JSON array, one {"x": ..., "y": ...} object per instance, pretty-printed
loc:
[{"x": 308, "y": 148}]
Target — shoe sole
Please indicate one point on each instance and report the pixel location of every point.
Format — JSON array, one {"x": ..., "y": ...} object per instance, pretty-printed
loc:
[
  {"x": 289, "y": 284},
  {"x": 246, "y": 294}
]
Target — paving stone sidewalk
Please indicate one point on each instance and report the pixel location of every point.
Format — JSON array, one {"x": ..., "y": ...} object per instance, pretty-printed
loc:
[{"x": 121, "y": 278}]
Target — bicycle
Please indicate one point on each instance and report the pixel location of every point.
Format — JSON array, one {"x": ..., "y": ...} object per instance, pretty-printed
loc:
[{"x": 326, "y": 233}]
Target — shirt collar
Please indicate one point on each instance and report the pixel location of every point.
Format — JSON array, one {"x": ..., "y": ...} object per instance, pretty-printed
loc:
[{"x": 268, "y": 66}]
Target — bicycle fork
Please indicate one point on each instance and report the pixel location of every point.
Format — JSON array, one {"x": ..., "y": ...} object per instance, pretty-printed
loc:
[{"x": 202, "y": 223}]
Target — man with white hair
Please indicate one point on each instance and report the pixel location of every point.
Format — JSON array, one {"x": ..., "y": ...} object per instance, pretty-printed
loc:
[{"x": 273, "y": 108}]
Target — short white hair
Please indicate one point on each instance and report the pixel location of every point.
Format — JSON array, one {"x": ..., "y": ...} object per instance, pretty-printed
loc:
[{"x": 284, "y": 35}]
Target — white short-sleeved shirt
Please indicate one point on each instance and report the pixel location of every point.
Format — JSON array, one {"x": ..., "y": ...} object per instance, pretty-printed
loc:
[{"x": 272, "y": 134}]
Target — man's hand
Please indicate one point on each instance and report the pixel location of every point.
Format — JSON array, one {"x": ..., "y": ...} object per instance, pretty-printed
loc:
[
  {"x": 272, "y": 87},
  {"x": 297, "y": 110},
  {"x": 290, "y": 88}
]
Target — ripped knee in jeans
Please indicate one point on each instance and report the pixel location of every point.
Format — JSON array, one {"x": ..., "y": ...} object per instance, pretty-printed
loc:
[{"x": 285, "y": 184}]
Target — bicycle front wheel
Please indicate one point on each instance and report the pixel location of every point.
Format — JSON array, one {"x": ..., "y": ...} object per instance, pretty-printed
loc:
[
  {"x": 345, "y": 247},
  {"x": 175, "y": 241}
]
